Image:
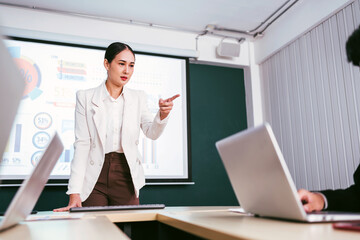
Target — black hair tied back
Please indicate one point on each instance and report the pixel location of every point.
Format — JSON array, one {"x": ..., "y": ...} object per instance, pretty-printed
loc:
[{"x": 114, "y": 49}]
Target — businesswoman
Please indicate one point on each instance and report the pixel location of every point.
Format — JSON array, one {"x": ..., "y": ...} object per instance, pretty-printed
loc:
[{"x": 106, "y": 169}]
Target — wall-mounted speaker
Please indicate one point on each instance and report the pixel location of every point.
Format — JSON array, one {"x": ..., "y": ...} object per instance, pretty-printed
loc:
[
  {"x": 229, "y": 49},
  {"x": 226, "y": 49}
]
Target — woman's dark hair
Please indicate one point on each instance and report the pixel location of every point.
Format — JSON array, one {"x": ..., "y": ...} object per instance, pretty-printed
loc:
[
  {"x": 353, "y": 47},
  {"x": 115, "y": 48}
]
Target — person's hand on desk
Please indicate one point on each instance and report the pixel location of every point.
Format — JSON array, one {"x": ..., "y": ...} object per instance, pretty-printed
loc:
[
  {"x": 166, "y": 106},
  {"x": 311, "y": 201},
  {"x": 74, "y": 201}
]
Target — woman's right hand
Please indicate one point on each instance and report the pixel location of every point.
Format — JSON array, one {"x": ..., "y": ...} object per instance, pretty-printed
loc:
[{"x": 74, "y": 201}]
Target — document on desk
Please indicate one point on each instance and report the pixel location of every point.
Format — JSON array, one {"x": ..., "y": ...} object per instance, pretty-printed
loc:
[{"x": 46, "y": 217}]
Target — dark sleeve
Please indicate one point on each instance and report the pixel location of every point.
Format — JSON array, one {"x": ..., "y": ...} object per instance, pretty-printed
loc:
[{"x": 345, "y": 199}]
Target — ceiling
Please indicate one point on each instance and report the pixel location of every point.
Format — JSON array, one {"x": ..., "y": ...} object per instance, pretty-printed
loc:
[{"x": 232, "y": 16}]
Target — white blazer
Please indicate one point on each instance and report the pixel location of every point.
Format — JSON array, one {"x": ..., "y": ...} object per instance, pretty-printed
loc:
[{"x": 90, "y": 137}]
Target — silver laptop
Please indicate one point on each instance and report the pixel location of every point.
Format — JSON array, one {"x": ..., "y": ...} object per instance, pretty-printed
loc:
[
  {"x": 11, "y": 90},
  {"x": 29, "y": 192},
  {"x": 261, "y": 180}
]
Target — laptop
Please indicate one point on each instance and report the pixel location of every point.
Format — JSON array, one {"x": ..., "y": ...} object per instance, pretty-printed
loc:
[
  {"x": 261, "y": 180},
  {"x": 11, "y": 91},
  {"x": 29, "y": 192}
]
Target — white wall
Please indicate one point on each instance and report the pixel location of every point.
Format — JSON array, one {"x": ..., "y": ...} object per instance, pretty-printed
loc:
[
  {"x": 76, "y": 29},
  {"x": 302, "y": 17},
  {"x": 256, "y": 112}
]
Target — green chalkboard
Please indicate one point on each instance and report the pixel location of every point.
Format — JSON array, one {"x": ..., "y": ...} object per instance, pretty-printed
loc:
[{"x": 217, "y": 109}]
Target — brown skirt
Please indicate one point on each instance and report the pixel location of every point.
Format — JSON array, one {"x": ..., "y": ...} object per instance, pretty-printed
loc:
[{"x": 114, "y": 186}]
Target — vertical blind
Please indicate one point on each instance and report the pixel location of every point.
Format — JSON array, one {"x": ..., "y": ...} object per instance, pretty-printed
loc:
[{"x": 312, "y": 101}]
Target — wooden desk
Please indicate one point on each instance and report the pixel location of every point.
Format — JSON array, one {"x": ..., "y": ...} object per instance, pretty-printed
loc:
[
  {"x": 222, "y": 224},
  {"x": 90, "y": 228},
  {"x": 219, "y": 223},
  {"x": 204, "y": 222}
]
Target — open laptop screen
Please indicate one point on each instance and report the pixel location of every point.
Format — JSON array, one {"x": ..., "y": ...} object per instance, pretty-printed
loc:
[{"x": 11, "y": 92}]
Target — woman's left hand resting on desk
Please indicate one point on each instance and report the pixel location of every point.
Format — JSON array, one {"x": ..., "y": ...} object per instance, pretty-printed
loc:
[
  {"x": 74, "y": 201},
  {"x": 166, "y": 106}
]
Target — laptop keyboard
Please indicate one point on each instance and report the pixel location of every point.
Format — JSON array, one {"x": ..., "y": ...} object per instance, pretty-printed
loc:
[{"x": 117, "y": 207}]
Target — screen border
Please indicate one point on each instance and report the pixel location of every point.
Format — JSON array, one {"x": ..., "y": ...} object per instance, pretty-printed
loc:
[{"x": 152, "y": 181}]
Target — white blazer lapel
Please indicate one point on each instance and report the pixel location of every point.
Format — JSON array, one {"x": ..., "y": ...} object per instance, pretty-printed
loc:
[{"x": 99, "y": 117}]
